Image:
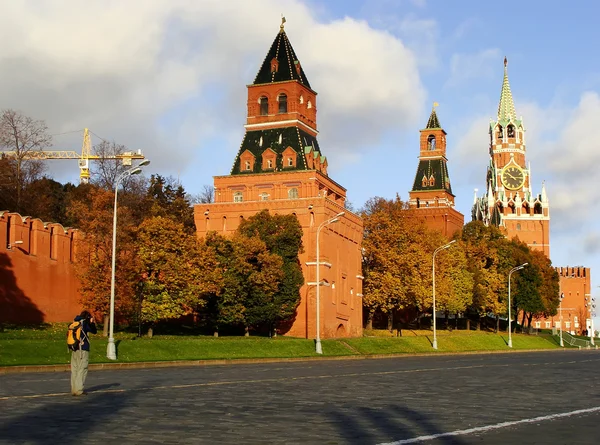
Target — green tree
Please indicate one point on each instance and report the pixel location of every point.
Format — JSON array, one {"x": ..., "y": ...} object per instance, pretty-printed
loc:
[{"x": 282, "y": 235}]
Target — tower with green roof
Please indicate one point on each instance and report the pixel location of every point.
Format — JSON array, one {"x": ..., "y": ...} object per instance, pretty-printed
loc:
[
  {"x": 431, "y": 197},
  {"x": 510, "y": 201},
  {"x": 280, "y": 167}
]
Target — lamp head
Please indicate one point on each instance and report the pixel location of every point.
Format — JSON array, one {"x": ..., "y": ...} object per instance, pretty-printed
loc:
[
  {"x": 340, "y": 214},
  {"x": 135, "y": 171},
  {"x": 144, "y": 163}
]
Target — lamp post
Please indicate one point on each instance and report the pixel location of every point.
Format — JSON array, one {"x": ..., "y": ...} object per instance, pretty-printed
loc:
[
  {"x": 111, "y": 352},
  {"x": 591, "y": 305},
  {"x": 514, "y": 269},
  {"x": 336, "y": 218},
  {"x": 445, "y": 246},
  {"x": 560, "y": 298}
]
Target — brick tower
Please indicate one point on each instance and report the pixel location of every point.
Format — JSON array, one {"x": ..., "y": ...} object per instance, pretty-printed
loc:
[
  {"x": 509, "y": 201},
  {"x": 280, "y": 167},
  {"x": 431, "y": 197}
]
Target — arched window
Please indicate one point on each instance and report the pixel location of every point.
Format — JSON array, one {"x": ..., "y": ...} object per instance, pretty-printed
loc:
[
  {"x": 424, "y": 182},
  {"x": 293, "y": 193},
  {"x": 264, "y": 196},
  {"x": 431, "y": 181},
  {"x": 500, "y": 132},
  {"x": 431, "y": 142},
  {"x": 264, "y": 106},
  {"x": 510, "y": 131},
  {"x": 247, "y": 165},
  {"x": 290, "y": 161},
  {"x": 269, "y": 163},
  {"x": 238, "y": 197},
  {"x": 418, "y": 203},
  {"x": 282, "y": 103}
]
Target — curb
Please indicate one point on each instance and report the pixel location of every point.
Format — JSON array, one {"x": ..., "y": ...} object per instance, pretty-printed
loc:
[{"x": 228, "y": 362}]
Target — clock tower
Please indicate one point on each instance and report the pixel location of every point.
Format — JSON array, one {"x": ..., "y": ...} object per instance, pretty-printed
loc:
[{"x": 510, "y": 200}]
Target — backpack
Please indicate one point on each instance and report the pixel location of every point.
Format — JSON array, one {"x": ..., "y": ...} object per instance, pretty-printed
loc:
[{"x": 75, "y": 336}]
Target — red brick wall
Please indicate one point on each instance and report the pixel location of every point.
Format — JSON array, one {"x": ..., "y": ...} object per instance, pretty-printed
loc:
[{"x": 37, "y": 279}]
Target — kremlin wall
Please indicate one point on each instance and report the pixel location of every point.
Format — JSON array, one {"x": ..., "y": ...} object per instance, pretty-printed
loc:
[{"x": 281, "y": 167}]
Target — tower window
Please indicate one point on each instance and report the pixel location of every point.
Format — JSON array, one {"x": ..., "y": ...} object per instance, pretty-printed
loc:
[
  {"x": 274, "y": 65},
  {"x": 238, "y": 197},
  {"x": 510, "y": 130},
  {"x": 264, "y": 106},
  {"x": 309, "y": 104},
  {"x": 282, "y": 103},
  {"x": 293, "y": 193},
  {"x": 247, "y": 165},
  {"x": 290, "y": 162},
  {"x": 424, "y": 182},
  {"x": 500, "y": 132},
  {"x": 431, "y": 142},
  {"x": 264, "y": 196},
  {"x": 431, "y": 181},
  {"x": 418, "y": 203},
  {"x": 269, "y": 163}
]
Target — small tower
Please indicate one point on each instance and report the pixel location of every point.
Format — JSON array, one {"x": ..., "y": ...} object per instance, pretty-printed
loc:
[
  {"x": 431, "y": 197},
  {"x": 510, "y": 201}
]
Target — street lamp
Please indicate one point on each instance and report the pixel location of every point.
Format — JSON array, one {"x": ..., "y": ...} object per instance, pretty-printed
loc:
[
  {"x": 560, "y": 298},
  {"x": 591, "y": 305},
  {"x": 335, "y": 219},
  {"x": 111, "y": 352},
  {"x": 445, "y": 246},
  {"x": 514, "y": 269}
]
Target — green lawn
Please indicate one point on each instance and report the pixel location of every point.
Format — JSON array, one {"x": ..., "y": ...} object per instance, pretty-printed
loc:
[{"x": 47, "y": 346}]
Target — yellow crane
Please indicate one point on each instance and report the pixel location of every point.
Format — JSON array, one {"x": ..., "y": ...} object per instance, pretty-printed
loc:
[{"x": 84, "y": 158}]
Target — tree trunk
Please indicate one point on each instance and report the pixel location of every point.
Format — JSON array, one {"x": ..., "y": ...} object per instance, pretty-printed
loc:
[
  {"x": 468, "y": 324},
  {"x": 523, "y": 322},
  {"x": 390, "y": 323},
  {"x": 497, "y": 329},
  {"x": 216, "y": 333},
  {"x": 529, "y": 318},
  {"x": 418, "y": 320},
  {"x": 150, "y": 332},
  {"x": 479, "y": 324},
  {"x": 370, "y": 320},
  {"x": 446, "y": 315},
  {"x": 105, "y": 326},
  {"x": 246, "y": 331}
]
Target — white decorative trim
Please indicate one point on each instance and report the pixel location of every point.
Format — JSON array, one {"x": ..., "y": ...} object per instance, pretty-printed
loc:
[
  {"x": 290, "y": 121},
  {"x": 314, "y": 283},
  {"x": 359, "y": 295},
  {"x": 360, "y": 277},
  {"x": 322, "y": 263}
]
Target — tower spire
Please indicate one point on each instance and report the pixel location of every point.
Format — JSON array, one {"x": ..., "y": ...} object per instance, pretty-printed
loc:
[
  {"x": 282, "y": 23},
  {"x": 506, "y": 108},
  {"x": 433, "y": 121}
]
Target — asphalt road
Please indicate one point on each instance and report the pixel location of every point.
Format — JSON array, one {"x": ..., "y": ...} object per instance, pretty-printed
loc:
[{"x": 525, "y": 398}]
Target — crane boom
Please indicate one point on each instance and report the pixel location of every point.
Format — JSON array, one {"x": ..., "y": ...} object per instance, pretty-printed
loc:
[{"x": 84, "y": 157}]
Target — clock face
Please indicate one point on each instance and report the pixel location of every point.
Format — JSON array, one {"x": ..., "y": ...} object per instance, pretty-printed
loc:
[{"x": 513, "y": 178}]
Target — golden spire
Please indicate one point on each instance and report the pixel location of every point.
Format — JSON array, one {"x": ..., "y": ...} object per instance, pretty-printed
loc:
[
  {"x": 435, "y": 104},
  {"x": 282, "y": 22}
]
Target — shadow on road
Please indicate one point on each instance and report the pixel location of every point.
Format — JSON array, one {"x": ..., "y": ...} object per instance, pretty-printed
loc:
[
  {"x": 365, "y": 425},
  {"x": 68, "y": 420}
]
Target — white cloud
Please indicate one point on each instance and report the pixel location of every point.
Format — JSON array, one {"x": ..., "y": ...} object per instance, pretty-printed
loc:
[{"x": 139, "y": 72}]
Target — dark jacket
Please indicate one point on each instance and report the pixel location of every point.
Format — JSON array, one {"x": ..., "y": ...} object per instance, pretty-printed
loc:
[{"x": 88, "y": 328}]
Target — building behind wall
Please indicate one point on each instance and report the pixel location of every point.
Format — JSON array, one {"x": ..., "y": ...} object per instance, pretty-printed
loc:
[
  {"x": 431, "y": 198},
  {"x": 280, "y": 167},
  {"x": 575, "y": 286}
]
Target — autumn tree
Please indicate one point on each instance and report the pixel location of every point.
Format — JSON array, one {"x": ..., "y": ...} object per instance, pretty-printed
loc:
[
  {"x": 92, "y": 213},
  {"x": 22, "y": 136},
  {"x": 282, "y": 235},
  {"x": 206, "y": 195},
  {"x": 176, "y": 274}
]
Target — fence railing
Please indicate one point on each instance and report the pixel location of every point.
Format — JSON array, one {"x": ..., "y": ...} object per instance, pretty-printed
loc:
[{"x": 568, "y": 338}]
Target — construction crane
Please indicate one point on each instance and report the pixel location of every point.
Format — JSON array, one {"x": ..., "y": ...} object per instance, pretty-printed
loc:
[{"x": 84, "y": 158}]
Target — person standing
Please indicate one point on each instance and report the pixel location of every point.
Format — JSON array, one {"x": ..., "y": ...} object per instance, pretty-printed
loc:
[{"x": 81, "y": 356}]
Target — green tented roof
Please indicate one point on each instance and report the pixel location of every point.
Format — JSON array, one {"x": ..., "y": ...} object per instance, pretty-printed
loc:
[{"x": 436, "y": 168}]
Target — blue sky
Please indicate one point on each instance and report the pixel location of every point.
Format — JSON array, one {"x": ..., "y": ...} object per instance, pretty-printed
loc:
[{"x": 169, "y": 77}]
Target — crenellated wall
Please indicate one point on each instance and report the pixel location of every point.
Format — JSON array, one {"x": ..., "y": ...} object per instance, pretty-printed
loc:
[{"x": 37, "y": 277}]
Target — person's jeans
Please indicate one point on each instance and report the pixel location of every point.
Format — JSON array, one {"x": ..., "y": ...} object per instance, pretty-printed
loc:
[{"x": 79, "y": 369}]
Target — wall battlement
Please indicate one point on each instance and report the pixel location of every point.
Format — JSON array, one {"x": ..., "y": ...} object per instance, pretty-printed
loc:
[{"x": 37, "y": 272}]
